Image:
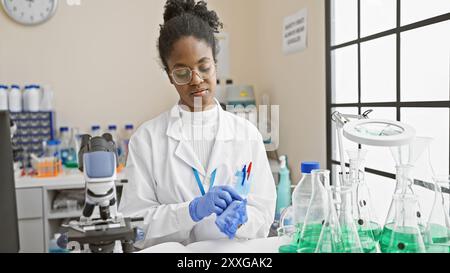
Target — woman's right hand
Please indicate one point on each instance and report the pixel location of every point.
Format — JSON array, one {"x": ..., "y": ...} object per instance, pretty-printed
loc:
[{"x": 215, "y": 201}]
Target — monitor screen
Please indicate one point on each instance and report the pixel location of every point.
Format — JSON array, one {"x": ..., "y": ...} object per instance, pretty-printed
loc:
[{"x": 9, "y": 230}]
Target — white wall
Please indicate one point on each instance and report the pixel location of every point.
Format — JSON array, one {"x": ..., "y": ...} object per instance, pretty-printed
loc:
[
  {"x": 296, "y": 82},
  {"x": 100, "y": 58}
]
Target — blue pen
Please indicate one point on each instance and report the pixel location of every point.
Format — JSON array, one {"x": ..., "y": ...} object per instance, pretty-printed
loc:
[{"x": 244, "y": 171}]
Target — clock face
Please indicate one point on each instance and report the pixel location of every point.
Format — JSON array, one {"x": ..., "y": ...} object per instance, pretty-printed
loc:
[{"x": 30, "y": 12}]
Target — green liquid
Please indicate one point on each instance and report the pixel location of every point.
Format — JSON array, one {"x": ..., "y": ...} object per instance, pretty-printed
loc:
[
  {"x": 350, "y": 243},
  {"x": 292, "y": 247},
  {"x": 440, "y": 238},
  {"x": 404, "y": 240},
  {"x": 308, "y": 243},
  {"x": 345, "y": 242},
  {"x": 440, "y": 234},
  {"x": 369, "y": 236}
]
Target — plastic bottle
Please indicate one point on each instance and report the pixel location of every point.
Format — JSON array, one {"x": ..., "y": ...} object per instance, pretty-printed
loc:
[
  {"x": 64, "y": 148},
  {"x": 112, "y": 129},
  {"x": 125, "y": 140},
  {"x": 301, "y": 196},
  {"x": 68, "y": 148},
  {"x": 46, "y": 103},
  {"x": 31, "y": 98},
  {"x": 221, "y": 94},
  {"x": 283, "y": 188},
  {"x": 15, "y": 99},
  {"x": 3, "y": 98},
  {"x": 52, "y": 148},
  {"x": 226, "y": 89},
  {"x": 95, "y": 130}
]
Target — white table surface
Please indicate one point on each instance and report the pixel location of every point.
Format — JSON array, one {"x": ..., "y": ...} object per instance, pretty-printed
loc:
[{"x": 263, "y": 245}]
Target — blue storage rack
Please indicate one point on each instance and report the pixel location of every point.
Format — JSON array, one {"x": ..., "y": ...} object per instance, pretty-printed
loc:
[{"x": 33, "y": 129}]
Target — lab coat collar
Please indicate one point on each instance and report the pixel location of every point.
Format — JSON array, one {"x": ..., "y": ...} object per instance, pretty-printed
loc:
[
  {"x": 184, "y": 150},
  {"x": 225, "y": 130}
]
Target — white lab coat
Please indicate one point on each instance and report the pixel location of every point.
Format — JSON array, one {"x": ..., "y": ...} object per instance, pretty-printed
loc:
[{"x": 161, "y": 182}]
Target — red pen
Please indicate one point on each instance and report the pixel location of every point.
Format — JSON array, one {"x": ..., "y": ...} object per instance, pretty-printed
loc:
[{"x": 249, "y": 169}]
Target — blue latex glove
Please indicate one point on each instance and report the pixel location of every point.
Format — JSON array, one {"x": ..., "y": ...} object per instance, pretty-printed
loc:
[
  {"x": 234, "y": 216},
  {"x": 216, "y": 200}
]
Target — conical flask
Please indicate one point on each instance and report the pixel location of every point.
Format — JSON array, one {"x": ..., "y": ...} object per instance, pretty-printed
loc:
[
  {"x": 287, "y": 232},
  {"x": 403, "y": 186},
  {"x": 403, "y": 235},
  {"x": 317, "y": 212},
  {"x": 349, "y": 231},
  {"x": 437, "y": 232},
  {"x": 330, "y": 240},
  {"x": 369, "y": 228}
]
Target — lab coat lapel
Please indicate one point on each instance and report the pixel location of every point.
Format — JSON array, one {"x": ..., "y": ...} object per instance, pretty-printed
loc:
[{"x": 183, "y": 150}]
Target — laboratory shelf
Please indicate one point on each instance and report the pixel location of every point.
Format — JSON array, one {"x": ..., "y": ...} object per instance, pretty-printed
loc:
[{"x": 64, "y": 214}]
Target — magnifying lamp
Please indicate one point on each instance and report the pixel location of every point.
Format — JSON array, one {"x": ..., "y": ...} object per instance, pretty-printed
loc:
[
  {"x": 379, "y": 132},
  {"x": 372, "y": 132}
]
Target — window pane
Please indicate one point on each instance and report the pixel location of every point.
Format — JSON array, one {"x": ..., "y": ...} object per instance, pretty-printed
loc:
[
  {"x": 417, "y": 10},
  {"x": 379, "y": 158},
  {"x": 389, "y": 113},
  {"x": 431, "y": 122},
  {"x": 378, "y": 70},
  {"x": 378, "y": 16},
  {"x": 344, "y": 21},
  {"x": 345, "y": 75},
  {"x": 345, "y": 142},
  {"x": 425, "y": 63},
  {"x": 381, "y": 190}
]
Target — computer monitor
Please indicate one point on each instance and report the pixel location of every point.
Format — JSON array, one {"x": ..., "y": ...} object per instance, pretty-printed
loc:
[{"x": 9, "y": 229}]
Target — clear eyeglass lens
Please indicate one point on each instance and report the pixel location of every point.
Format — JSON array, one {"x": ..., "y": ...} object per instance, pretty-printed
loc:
[{"x": 184, "y": 75}]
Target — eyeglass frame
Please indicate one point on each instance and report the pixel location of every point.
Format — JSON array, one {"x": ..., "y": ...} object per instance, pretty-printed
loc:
[{"x": 192, "y": 74}]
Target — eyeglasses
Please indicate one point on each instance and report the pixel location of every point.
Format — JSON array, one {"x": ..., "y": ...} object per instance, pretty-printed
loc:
[{"x": 184, "y": 75}]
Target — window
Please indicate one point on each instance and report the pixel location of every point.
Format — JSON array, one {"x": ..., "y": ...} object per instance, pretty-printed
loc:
[{"x": 392, "y": 56}]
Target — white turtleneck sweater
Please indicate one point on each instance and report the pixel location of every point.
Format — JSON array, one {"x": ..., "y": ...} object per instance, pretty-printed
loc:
[{"x": 200, "y": 129}]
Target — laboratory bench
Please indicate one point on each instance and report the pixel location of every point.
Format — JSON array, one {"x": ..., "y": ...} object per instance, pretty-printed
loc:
[{"x": 38, "y": 221}]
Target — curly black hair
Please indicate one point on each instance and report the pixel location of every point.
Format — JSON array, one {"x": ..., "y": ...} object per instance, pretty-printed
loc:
[{"x": 184, "y": 18}]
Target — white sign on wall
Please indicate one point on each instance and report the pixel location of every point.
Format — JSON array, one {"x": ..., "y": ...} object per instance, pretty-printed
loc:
[{"x": 295, "y": 32}]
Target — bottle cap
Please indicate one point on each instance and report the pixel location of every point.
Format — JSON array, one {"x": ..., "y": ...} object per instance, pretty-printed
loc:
[
  {"x": 307, "y": 167},
  {"x": 53, "y": 142}
]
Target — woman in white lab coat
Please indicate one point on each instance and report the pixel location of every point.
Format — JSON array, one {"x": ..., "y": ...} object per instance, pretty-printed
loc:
[{"x": 183, "y": 166}]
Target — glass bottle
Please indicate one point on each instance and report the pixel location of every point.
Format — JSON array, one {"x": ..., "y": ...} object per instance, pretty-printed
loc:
[
  {"x": 317, "y": 212},
  {"x": 301, "y": 196}
]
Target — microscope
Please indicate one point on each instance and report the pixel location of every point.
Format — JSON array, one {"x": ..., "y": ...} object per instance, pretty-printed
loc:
[{"x": 99, "y": 231}]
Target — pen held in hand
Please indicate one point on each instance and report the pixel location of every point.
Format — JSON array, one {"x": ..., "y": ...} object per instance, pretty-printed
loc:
[{"x": 244, "y": 171}]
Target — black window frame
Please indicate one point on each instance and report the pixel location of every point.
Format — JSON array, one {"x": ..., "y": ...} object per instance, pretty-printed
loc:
[{"x": 398, "y": 104}]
